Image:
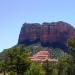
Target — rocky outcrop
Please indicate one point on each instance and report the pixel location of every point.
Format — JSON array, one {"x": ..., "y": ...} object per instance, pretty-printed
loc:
[{"x": 52, "y": 34}]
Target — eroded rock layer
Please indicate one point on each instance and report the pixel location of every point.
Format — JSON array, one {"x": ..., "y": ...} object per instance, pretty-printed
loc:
[{"x": 52, "y": 34}]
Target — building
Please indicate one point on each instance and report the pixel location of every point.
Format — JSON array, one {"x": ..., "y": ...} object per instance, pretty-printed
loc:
[{"x": 42, "y": 56}]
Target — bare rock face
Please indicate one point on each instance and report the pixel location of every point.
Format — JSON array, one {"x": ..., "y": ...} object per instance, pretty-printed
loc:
[{"x": 52, "y": 34}]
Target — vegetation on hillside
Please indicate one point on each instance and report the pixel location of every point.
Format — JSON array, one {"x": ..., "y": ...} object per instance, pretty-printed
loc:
[{"x": 16, "y": 61}]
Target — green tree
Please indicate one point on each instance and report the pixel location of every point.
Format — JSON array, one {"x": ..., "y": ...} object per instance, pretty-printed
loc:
[
  {"x": 64, "y": 65},
  {"x": 50, "y": 67},
  {"x": 18, "y": 59},
  {"x": 35, "y": 69},
  {"x": 71, "y": 45},
  {"x": 3, "y": 67}
]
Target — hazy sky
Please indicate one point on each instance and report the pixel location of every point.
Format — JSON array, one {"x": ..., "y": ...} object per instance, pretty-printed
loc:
[{"x": 13, "y": 13}]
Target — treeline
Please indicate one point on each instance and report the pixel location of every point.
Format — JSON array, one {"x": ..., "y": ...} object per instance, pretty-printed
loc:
[{"x": 16, "y": 62}]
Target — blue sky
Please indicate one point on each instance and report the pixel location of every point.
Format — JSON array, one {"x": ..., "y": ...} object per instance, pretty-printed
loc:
[{"x": 13, "y": 13}]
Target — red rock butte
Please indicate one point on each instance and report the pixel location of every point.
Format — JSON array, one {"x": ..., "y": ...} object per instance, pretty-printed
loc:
[{"x": 54, "y": 34}]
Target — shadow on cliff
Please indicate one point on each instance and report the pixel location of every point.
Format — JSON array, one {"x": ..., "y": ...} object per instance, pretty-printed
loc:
[{"x": 46, "y": 44}]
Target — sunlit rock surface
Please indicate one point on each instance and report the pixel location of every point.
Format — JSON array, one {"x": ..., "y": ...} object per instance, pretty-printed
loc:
[{"x": 52, "y": 34}]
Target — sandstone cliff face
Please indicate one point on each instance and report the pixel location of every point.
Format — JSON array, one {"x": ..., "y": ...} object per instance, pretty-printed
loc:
[{"x": 52, "y": 34}]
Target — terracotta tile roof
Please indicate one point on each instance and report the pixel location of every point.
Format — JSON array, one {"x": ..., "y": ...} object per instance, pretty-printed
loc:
[{"x": 41, "y": 56}]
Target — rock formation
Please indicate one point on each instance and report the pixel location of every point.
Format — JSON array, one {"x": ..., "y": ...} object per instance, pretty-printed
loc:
[{"x": 52, "y": 34}]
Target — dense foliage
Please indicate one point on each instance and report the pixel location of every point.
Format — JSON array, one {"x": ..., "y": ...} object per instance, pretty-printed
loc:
[{"x": 16, "y": 61}]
